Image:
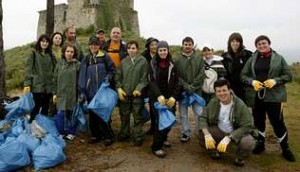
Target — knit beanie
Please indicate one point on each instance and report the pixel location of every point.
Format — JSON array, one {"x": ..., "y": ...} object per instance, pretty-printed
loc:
[{"x": 162, "y": 44}]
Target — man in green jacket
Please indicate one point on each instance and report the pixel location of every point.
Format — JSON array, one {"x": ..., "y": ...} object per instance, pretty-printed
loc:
[
  {"x": 191, "y": 77},
  {"x": 226, "y": 119}
]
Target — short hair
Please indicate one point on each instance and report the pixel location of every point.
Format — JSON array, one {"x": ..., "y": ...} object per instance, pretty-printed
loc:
[
  {"x": 64, "y": 48},
  {"x": 188, "y": 39},
  {"x": 132, "y": 42},
  {"x": 262, "y": 37},
  {"x": 221, "y": 82}
]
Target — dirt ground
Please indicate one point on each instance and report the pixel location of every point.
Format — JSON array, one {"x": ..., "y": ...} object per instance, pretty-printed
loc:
[{"x": 124, "y": 157}]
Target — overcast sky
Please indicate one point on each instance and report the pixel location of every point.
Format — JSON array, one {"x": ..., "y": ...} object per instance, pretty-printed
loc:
[{"x": 208, "y": 22}]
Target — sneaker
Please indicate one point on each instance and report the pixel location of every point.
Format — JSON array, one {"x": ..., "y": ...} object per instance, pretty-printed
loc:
[
  {"x": 259, "y": 148},
  {"x": 185, "y": 138},
  {"x": 107, "y": 142},
  {"x": 288, "y": 155},
  {"x": 239, "y": 162},
  {"x": 167, "y": 144},
  {"x": 159, "y": 153},
  {"x": 70, "y": 137}
]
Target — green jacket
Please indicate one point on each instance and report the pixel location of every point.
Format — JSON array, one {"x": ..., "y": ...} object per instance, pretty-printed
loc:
[
  {"x": 240, "y": 117},
  {"x": 279, "y": 70},
  {"x": 39, "y": 71},
  {"x": 65, "y": 81},
  {"x": 131, "y": 76},
  {"x": 191, "y": 72}
]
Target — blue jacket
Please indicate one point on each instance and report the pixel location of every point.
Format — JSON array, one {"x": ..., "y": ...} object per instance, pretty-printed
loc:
[{"x": 93, "y": 71}]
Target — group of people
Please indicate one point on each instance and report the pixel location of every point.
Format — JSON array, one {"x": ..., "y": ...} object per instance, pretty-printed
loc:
[{"x": 58, "y": 71}]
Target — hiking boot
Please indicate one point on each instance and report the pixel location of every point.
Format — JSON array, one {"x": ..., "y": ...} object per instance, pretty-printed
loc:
[
  {"x": 138, "y": 142},
  {"x": 185, "y": 138},
  {"x": 239, "y": 162},
  {"x": 259, "y": 148},
  {"x": 94, "y": 140},
  {"x": 215, "y": 155},
  {"x": 288, "y": 155}
]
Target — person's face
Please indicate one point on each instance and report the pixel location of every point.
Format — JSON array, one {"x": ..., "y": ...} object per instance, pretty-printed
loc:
[
  {"x": 57, "y": 39},
  {"x": 132, "y": 50},
  {"x": 263, "y": 46},
  {"x": 94, "y": 48},
  {"x": 71, "y": 34},
  {"x": 162, "y": 53},
  {"x": 115, "y": 34},
  {"x": 235, "y": 45},
  {"x": 207, "y": 53},
  {"x": 44, "y": 44},
  {"x": 153, "y": 47},
  {"x": 187, "y": 47},
  {"x": 223, "y": 94},
  {"x": 101, "y": 36},
  {"x": 69, "y": 53}
]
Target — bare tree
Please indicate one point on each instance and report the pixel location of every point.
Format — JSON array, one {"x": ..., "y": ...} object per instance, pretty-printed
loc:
[
  {"x": 50, "y": 17},
  {"x": 2, "y": 64}
]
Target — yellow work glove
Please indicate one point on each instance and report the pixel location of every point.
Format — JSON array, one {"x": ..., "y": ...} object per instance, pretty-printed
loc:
[
  {"x": 26, "y": 89},
  {"x": 222, "y": 146},
  {"x": 54, "y": 99},
  {"x": 257, "y": 85},
  {"x": 270, "y": 83},
  {"x": 171, "y": 102},
  {"x": 136, "y": 93},
  {"x": 210, "y": 142},
  {"x": 121, "y": 94},
  {"x": 161, "y": 99}
]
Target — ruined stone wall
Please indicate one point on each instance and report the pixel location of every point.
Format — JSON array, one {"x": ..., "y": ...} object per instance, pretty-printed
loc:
[{"x": 99, "y": 13}]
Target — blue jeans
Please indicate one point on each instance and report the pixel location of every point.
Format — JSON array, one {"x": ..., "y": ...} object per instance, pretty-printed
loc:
[{"x": 197, "y": 110}]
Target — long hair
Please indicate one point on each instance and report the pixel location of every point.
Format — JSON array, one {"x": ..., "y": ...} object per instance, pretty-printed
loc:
[
  {"x": 238, "y": 37},
  {"x": 38, "y": 44}
]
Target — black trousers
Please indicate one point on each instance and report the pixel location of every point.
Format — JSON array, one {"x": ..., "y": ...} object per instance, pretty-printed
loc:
[
  {"x": 275, "y": 115},
  {"x": 42, "y": 101},
  {"x": 159, "y": 137},
  {"x": 99, "y": 128}
]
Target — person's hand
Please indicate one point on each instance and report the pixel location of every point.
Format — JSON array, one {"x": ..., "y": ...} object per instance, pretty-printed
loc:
[
  {"x": 210, "y": 142},
  {"x": 121, "y": 94},
  {"x": 26, "y": 89},
  {"x": 81, "y": 98},
  {"x": 171, "y": 102},
  {"x": 270, "y": 83},
  {"x": 136, "y": 93},
  {"x": 257, "y": 85},
  {"x": 222, "y": 146},
  {"x": 161, "y": 99},
  {"x": 54, "y": 99}
]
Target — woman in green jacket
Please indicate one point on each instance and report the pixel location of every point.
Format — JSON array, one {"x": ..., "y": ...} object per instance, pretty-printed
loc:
[
  {"x": 38, "y": 73},
  {"x": 267, "y": 72},
  {"x": 65, "y": 92}
]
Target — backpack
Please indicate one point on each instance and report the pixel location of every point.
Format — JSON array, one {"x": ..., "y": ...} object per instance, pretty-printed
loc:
[{"x": 211, "y": 77}]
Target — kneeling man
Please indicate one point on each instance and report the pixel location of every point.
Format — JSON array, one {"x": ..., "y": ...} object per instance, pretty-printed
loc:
[{"x": 226, "y": 120}]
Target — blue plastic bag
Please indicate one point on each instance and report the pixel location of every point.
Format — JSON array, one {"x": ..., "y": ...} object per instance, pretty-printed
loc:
[
  {"x": 79, "y": 118},
  {"x": 49, "y": 153},
  {"x": 13, "y": 155},
  {"x": 20, "y": 107},
  {"x": 189, "y": 99},
  {"x": 47, "y": 123},
  {"x": 104, "y": 101},
  {"x": 27, "y": 139},
  {"x": 166, "y": 116}
]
